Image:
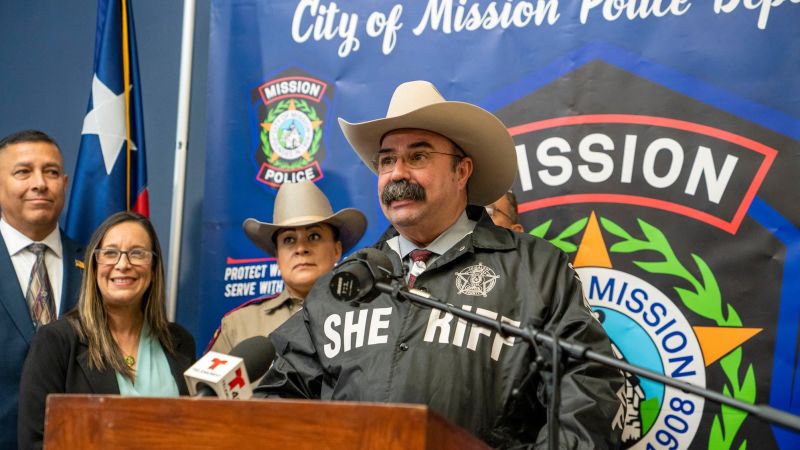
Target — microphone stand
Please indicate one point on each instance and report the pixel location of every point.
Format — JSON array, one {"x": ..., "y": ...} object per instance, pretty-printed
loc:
[{"x": 582, "y": 352}]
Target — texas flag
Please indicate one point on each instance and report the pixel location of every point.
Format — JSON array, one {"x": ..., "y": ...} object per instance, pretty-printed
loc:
[{"x": 111, "y": 172}]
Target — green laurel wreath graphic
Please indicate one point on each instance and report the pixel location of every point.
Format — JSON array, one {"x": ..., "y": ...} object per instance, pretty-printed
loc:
[
  {"x": 272, "y": 114},
  {"x": 704, "y": 299},
  {"x": 561, "y": 241}
]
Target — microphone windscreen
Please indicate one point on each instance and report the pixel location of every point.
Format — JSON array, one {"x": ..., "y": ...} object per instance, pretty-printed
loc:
[
  {"x": 378, "y": 261},
  {"x": 355, "y": 278},
  {"x": 257, "y": 353}
]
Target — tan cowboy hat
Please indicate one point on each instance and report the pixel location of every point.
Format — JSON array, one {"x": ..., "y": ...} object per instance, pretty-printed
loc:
[
  {"x": 300, "y": 205},
  {"x": 417, "y": 104}
]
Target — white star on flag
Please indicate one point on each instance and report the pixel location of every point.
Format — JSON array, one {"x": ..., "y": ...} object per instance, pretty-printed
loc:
[{"x": 107, "y": 121}]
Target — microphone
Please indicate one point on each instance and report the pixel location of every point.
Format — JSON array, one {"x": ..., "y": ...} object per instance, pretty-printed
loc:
[
  {"x": 257, "y": 353},
  {"x": 355, "y": 278},
  {"x": 226, "y": 376}
]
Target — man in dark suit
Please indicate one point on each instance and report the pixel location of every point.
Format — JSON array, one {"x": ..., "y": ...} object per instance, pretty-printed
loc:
[{"x": 37, "y": 282}]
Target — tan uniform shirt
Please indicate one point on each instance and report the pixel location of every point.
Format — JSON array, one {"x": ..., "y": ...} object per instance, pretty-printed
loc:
[{"x": 257, "y": 317}]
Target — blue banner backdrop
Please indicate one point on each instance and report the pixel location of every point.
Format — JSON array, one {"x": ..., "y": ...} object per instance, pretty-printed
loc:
[{"x": 657, "y": 144}]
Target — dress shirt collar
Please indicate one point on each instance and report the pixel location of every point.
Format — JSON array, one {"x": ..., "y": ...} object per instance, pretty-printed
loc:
[
  {"x": 450, "y": 237},
  {"x": 17, "y": 242}
]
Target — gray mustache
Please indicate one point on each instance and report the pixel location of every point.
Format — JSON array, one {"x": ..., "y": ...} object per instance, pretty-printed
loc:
[{"x": 402, "y": 190}]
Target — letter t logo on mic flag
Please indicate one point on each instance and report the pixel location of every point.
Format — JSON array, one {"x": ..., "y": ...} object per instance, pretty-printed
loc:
[
  {"x": 237, "y": 381},
  {"x": 111, "y": 172},
  {"x": 225, "y": 375},
  {"x": 216, "y": 362}
]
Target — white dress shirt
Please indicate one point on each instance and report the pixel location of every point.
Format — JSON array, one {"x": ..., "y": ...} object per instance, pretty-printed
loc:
[{"x": 23, "y": 259}]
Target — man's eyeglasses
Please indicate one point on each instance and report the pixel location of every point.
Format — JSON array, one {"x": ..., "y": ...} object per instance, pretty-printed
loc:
[
  {"x": 419, "y": 159},
  {"x": 111, "y": 256},
  {"x": 491, "y": 210}
]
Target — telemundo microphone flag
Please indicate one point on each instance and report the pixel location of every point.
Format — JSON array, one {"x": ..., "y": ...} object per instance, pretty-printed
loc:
[{"x": 111, "y": 171}]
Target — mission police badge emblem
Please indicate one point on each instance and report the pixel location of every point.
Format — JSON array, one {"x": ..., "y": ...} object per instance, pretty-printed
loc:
[
  {"x": 674, "y": 214},
  {"x": 289, "y": 112}
]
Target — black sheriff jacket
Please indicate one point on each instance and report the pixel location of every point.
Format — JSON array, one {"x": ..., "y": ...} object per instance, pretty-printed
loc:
[{"x": 395, "y": 351}]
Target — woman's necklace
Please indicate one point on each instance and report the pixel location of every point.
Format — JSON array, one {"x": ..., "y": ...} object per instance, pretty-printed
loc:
[{"x": 129, "y": 359}]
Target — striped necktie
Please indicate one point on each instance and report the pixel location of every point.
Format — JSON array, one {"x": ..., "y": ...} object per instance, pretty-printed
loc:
[{"x": 40, "y": 293}]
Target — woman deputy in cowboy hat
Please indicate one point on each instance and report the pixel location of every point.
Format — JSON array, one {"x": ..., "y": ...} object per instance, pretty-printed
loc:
[{"x": 307, "y": 239}]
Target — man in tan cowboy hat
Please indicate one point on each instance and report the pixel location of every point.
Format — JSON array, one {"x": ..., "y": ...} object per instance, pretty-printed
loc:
[
  {"x": 307, "y": 239},
  {"x": 437, "y": 163}
]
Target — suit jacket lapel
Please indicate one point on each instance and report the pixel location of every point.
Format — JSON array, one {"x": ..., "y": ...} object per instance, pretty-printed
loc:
[
  {"x": 102, "y": 382},
  {"x": 73, "y": 273},
  {"x": 11, "y": 296},
  {"x": 178, "y": 363}
]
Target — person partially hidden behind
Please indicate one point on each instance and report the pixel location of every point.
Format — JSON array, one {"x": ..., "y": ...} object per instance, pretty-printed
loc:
[
  {"x": 40, "y": 267},
  {"x": 308, "y": 239},
  {"x": 437, "y": 163},
  {"x": 118, "y": 340},
  {"x": 504, "y": 212}
]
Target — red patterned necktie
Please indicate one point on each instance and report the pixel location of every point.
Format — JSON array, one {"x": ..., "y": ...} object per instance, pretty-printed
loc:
[
  {"x": 40, "y": 293},
  {"x": 419, "y": 258}
]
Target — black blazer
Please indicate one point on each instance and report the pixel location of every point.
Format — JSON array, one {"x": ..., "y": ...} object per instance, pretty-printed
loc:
[
  {"x": 58, "y": 363},
  {"x": 16, "y": 328}
]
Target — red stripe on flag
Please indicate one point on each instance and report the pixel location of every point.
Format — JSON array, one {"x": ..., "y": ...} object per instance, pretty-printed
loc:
[{"x": 142, "y": 205}]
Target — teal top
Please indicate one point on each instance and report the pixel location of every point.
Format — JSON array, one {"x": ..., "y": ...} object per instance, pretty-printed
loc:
[{"x": 153, "y": 375}]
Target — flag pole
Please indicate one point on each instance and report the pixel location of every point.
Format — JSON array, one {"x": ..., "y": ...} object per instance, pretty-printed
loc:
[{"x": 179, "y": 177}]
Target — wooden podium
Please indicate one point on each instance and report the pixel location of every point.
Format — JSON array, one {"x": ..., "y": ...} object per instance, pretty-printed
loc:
[{"x": 114, "y": 422}]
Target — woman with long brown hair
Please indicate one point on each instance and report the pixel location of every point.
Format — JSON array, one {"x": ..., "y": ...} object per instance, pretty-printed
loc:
[{"x": 118, "y": 339}]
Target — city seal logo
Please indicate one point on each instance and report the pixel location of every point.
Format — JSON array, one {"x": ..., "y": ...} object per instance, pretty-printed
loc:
[
  {"x": 647, "y": 329},
  {"x": 290, "y": 130},
  {"x": 476, "y": 280},
  {"x": 667, "y": 205}
]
